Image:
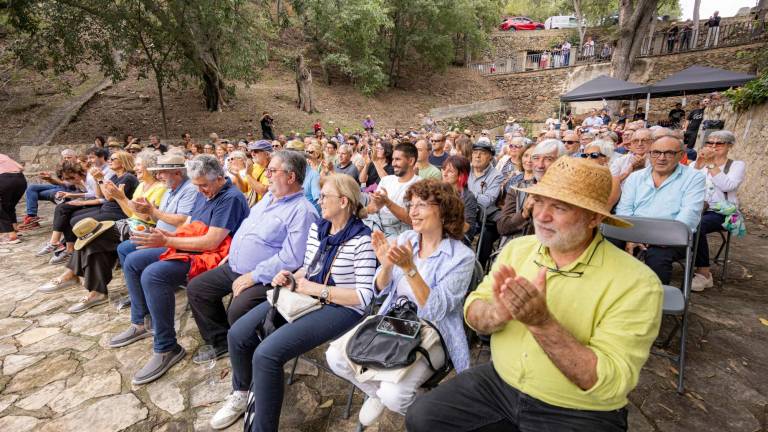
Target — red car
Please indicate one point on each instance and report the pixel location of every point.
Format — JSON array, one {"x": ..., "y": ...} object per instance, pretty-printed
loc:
[{"x": 520, "y": 23}]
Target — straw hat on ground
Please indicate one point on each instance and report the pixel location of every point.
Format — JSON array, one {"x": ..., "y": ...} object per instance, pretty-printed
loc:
[
  {"x": 580, "y": 183},
  {"x": 88, "y": 229}
]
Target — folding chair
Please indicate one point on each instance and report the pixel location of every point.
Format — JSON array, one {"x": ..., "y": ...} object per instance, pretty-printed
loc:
[
  {"x": 725, "y": 246},
  {"x": 670, "y": 233}
]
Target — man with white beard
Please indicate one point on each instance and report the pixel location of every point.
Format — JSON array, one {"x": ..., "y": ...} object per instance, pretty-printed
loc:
[{"x": 571, "y": 318}]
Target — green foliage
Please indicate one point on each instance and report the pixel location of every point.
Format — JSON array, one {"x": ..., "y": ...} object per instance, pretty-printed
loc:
[
  {"x": 370, "y": 40},
  {"x": 209, "y": 41},
  {"x": 751, "y": 94},
  {"x": 538, "y": 10}
]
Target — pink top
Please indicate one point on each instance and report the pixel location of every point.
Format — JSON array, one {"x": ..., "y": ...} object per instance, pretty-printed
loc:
[{"x": 8, "y": 165}]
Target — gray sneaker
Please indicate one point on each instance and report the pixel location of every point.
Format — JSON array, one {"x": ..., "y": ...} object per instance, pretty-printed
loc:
[
  {"x": 129, "y": 336},
  {"x": 158, "y": 365},
  {"x": 47, "y": 249},
  {"x": 85, "y": 303},
  {"x": 60, "y": 258}
]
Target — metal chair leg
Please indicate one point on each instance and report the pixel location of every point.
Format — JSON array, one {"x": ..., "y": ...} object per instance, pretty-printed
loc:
[
  {"x": 681, "y": 357},
  {"x": 293, "y": 370},
  {"x": 351, "y": 395},
  {"x": 724, "y": 272}
]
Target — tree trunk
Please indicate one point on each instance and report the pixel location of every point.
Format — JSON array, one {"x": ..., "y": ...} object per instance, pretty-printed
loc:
[
  {"x": 695, "y": 35},
  {"x": 580, "y": 20},
  {"x": 304, "y": 86},
  {"x": 633, "y": 26},
  {"x": 651, "y": 29},
  {"x": 762, "y": 9}
]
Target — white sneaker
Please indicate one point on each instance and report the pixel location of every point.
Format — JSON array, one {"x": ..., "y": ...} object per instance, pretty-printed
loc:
[
  {"x": 370, "y": 411},
  {"x": 56, "y": 284},
  {"x": 701, "y": 282},
  {"x": 234, "y": 407}
]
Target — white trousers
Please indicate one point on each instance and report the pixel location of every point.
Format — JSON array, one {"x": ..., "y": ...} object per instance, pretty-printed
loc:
[{"x": 397, "y": 397}]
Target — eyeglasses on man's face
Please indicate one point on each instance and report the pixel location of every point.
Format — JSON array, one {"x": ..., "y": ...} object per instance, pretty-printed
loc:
[
  {"x": 667, "y": 153},
  {"x": 272, "y": 171},
  {"x": 717, "y": 144}
]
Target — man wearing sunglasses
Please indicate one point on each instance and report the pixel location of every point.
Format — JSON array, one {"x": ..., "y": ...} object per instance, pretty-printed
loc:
[
  {"x": 571, "y": 143},
  {"x": 666, "y": 190}
]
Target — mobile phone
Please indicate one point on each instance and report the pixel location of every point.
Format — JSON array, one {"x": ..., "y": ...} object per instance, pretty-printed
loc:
[{"x": 399, "y": 327}]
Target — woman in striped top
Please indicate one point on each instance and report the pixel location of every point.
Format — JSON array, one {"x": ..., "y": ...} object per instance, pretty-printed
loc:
[{"x": 339, "y": 266}]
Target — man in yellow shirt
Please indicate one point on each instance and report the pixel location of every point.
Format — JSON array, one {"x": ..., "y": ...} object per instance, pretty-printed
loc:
[
  {"x": 257, "y": 180},
  {"x": 571, "y": 318}
]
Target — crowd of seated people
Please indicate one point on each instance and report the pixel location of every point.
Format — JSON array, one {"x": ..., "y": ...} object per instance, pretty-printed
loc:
[{"x": 368, "y": 219}]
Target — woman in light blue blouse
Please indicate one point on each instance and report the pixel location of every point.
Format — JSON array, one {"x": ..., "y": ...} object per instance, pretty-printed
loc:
[{"x": 432, "y": 267}]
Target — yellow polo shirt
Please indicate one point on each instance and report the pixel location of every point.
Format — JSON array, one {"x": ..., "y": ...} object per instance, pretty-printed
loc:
[
  {"x": 259, "y": 173},
  {"x": 613, "y": 308}
]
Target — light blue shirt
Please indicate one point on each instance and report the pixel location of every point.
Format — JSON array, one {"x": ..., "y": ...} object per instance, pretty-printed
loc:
[
  {"x": 444, "y": 307},
  {"x": 273, "y": 237},
  {"x": 311, "y": 187},
  {"x": 680, "y": 197},
  {"x": 178, "y": 201}
]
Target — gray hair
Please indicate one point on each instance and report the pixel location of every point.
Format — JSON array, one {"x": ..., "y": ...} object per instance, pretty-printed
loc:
[
  {"x": 588, "y": 135},
  {"x": 548, "y": 146},
  {"x": 293, "y": 161},
  {"x": 725, "y": 136},
  {"x": 606, "y": 147},
  {"x": 68, "y": 153},
  {"x": 346, "y": 148},
  {"x": 666, "y": 133},
  {"x": 148, "y": 158},
  {"x": 238, "y": 154},
  {"x": 205, "y": 165}
]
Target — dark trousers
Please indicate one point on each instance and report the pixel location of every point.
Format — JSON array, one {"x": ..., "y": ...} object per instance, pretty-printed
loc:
[
  {"x": 151, "y": 286},
  {"x": 659, "y": 259},
  {"x": 96, "y": 268},
  {"x": 710, "y": 222},
  {"x": 205, "y": 293},
  {"x": 485, "y": 246},
  {"x": 479, "y": 400},
  {"x": 62, "y": 216},
  {"x": 259, "y": 365},
  {"x": 97, "y": 213},
  {"x": 12, "y": 187}
]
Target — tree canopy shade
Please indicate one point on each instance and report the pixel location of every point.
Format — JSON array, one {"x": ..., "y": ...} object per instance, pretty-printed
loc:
[
  {"x": 699, "y": 79},
  {"x": 605, "y": 87},
  {"x": 209, "y": 41}
]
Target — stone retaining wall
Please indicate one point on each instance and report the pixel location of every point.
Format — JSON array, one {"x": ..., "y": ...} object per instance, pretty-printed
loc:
[{"x": 751, "y": 129}]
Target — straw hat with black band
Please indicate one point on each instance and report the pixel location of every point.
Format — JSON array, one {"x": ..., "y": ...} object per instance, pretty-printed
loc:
[
  {"x": 580, "y": 183},
  {"x": 169, "y": 161},
  {"x": 88, "y": 229}
]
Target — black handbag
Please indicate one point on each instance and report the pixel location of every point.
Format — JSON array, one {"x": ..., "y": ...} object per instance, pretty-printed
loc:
[
  {"x": 369, "y": 347},
  {"x": 273, "y": 320}
]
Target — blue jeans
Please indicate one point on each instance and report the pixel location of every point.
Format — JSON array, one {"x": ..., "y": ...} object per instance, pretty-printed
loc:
[
  {"x": 123, "y": 249},
  {"x": 36, "y": 192},
  {"x": 151, "y": 285},
  {"x": 260, "y": 365}
]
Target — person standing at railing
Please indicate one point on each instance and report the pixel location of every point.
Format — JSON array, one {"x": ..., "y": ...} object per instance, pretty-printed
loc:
[
  {"x": 685, "y": 36},
  {"x": 589, "y": 48},
  {"x": 566, "y": 50},
  {"x": 672, "y": 35},
  {"x": 713, "y": 32}
]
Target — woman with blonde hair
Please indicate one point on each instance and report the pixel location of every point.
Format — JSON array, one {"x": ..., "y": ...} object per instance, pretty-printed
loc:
[{"x": 339, "y": 265}]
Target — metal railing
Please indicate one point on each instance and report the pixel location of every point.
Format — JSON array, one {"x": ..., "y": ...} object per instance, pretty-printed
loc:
[
  {"x": 662, "y": 42},
  {"x": 688, "y": 39}
]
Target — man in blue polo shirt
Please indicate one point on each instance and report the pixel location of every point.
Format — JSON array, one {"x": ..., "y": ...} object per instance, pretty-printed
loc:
[
  {"x": 151, "y": 282},
  {"x": 272, "y": 238}
]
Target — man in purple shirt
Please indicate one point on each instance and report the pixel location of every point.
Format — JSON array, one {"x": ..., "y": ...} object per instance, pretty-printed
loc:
[
  {"x": 272, "y": 238},
  {"x": 368, "y": 124}
]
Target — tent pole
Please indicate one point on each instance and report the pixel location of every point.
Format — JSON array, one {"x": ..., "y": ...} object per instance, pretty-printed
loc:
[{"x": 647, "y": 106}]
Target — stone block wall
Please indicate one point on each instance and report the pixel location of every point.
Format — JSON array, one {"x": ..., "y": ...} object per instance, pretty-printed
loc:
[
  {"x": 751, "y": 130},
  {"x": 534, "y": 95}
]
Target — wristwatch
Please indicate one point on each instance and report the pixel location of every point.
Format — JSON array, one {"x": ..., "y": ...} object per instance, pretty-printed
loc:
[
  {"x": 324, "y": 294},
  {"x": 411, "y": 273},
  {"x": 711, "y": 166}
]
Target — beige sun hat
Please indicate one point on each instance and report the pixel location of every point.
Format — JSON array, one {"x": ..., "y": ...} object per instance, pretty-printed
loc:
[
  {"x": 169, "y": 161},
  {"x": 88, "y": 229},
  {"x": 580, "y": 183}
]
